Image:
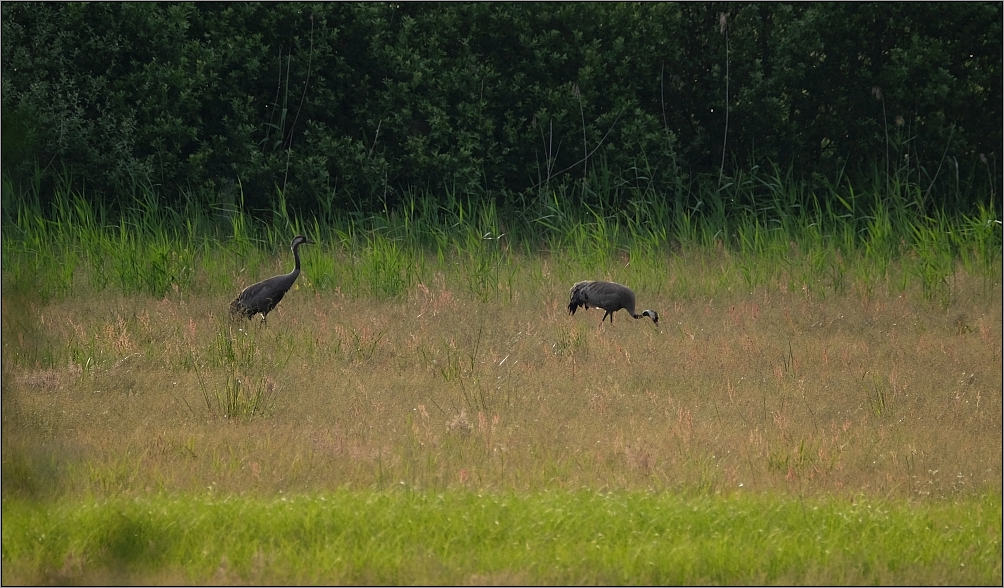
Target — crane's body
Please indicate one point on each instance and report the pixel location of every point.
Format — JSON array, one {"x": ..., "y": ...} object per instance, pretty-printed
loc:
[
  {"x": 261, "y": 298},
  {"x": 610, "y": 296}
]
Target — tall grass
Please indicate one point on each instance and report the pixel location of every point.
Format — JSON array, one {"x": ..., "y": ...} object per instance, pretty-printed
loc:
[
  {"x": 771, "y": 226},
  {"x": 249, "y": 368}
]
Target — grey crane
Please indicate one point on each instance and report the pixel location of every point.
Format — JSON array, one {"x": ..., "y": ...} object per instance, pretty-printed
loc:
[
  {"x": 263, "y": 296},
  {"x": 610, "y": 296}
]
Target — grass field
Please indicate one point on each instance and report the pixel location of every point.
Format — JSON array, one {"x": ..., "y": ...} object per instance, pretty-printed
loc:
[
  {"x": 813, "y": 407},
  {"x": 583, "y": 537}
]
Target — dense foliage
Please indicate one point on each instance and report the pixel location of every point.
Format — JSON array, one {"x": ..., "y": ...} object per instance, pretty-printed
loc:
[{"x": 350, "y": 106}]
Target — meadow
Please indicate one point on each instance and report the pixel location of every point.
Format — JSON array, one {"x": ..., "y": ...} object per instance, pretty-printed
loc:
[{"x": 820, "y": 401}]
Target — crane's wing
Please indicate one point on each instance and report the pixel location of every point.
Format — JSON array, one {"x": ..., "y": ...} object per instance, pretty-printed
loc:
[
  {"x": 262, "y": 296},
  {"x": 252, "y": 292}
]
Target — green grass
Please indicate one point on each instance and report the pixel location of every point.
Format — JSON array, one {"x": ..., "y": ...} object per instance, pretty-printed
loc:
[
  {"x": 582, "y": 537},
  {"x": 774, "y": 227}
]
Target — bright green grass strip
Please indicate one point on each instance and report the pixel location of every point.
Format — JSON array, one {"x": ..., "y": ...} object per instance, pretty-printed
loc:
[{"x": 551, "y": 538}]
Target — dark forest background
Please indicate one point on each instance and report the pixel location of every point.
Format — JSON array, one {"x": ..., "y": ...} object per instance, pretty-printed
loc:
[{"x": 353, "y": 106}]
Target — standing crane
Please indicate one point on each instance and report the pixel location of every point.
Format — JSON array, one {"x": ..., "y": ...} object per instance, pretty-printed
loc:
[
  {"x": 263, "y": 296},
  {"x": 610, "y": 296}
]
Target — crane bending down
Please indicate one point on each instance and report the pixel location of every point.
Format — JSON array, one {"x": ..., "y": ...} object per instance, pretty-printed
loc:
[
  {"x": 263, "y": 296},
  {"x": 610, "y": 296}
]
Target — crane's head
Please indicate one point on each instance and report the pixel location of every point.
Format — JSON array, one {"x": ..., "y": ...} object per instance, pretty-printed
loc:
[
  {"x": 299, "y": 240},
  {"x": 652, "y": 314}
]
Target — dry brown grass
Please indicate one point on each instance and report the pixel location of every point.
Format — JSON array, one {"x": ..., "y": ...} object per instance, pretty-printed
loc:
[{"x": 774, "y": 391}]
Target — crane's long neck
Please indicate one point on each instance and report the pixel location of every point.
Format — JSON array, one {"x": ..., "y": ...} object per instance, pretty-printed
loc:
[{"x": 296, "y": 260}]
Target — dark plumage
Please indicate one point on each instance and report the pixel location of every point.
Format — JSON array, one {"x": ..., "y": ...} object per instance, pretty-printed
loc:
[
  {"x": 610, "y": 296},
  {"x": 263, "y": 296}
]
